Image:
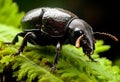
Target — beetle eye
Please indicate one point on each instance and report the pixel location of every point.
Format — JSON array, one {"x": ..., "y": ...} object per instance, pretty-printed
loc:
[
  {"x": 78, "y": 33},
  {"x": 81, "y": 32}
]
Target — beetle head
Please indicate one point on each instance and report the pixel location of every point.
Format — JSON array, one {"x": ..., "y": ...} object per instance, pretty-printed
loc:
[
  {"x": 85, "y": 42},
  {"x": 83, "y": 35}
]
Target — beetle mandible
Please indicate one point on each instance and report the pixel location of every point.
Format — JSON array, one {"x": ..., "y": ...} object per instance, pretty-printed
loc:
[{"x": 56, "y": 26}]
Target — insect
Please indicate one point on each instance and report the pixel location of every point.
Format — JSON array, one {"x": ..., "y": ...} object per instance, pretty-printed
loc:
[{"x": 56, "y": 26}]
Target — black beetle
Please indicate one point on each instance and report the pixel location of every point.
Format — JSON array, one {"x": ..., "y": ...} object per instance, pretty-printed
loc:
[{"x": 56, "y": 26}]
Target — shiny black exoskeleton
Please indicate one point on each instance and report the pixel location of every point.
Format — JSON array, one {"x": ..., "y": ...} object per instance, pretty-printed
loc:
[{"x": 56, "y": 26}]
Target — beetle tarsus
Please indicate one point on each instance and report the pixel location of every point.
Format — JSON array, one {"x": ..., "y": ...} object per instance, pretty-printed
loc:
[
  {"x": 17, "y": 53},
  {"x": 91, "y": 59},
  {"x": 53, "y": 68}
]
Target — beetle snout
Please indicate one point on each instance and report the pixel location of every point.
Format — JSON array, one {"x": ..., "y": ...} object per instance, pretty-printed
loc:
[
  {"x": 88, "y": 47},
  {"x": 88, "y": 51},
  {"x": 86, "y": 43}
]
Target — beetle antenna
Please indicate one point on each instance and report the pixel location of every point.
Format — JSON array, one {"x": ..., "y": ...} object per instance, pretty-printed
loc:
[
  {"x": 77, "y": 43},
  {"x": 107, "y": 34}
]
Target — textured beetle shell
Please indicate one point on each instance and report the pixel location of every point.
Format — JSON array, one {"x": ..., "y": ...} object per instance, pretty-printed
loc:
[
  {"x": 52, "y": 21},
  {"x": 55, "y": 22}
]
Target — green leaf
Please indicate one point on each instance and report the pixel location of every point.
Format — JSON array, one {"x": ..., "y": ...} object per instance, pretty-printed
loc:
[
  {"x": 9, "y": 13},
  {"x": 35, "y": 62}
]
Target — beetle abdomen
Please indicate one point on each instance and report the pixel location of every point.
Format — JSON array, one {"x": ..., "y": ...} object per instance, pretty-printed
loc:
[
  {"x": 55, "y": 21},
  {"x": 51, "y": 21}
]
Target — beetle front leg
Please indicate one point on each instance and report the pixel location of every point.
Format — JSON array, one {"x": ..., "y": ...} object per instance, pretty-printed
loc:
[
  {"x": 24, "y": 42},
  {"x": 58, "y": 49}
]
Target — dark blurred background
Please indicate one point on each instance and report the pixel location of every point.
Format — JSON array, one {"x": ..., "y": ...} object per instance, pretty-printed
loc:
[{"x": 102, "y": 15}]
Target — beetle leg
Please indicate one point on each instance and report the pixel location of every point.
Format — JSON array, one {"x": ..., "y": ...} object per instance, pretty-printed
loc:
[
  {"x": 15, "y": 40},
  {"x": 58, "y": 48},
  {"x": 90, "y": 58},
  {"x": 24, "y": 42}
]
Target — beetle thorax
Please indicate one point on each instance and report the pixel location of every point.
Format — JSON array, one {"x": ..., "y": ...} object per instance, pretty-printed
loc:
[{"x": 87, "y": 43}]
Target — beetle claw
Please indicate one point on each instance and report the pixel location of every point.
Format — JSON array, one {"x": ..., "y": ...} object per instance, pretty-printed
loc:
[
  {"x": 91, "y": 58},
  {"x": 17, "y": 53}
]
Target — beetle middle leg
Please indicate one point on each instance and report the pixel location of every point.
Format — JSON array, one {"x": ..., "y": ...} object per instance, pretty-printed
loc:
[
  {"x": 58, "y": 49},
  {"x": 24, "y": 41}
]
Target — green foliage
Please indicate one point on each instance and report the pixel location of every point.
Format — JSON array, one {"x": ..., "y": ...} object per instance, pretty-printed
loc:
[
  {"x": 34, "y": 64},
  {"x": 73, "y": 66},
  {"x": 9, "y": 13}
]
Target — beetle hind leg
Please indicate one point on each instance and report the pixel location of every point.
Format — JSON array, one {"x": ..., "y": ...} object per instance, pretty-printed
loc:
[
  {"x": 15, "y": 40},
  {"x": 24, "y": 42}
]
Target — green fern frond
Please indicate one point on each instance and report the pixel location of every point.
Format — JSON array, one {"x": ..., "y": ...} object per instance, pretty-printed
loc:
[
  {"x": 33, "y": 71},
  {"x": 74, "y": 66}
]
